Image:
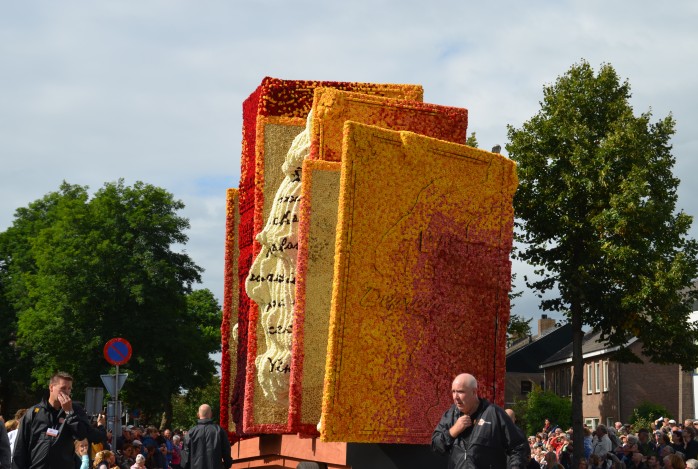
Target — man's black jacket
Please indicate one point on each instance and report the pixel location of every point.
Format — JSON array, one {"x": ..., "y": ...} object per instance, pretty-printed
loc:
[
  {"x": 206, "y": 446},
  {"x": 491, "y": 440},
  {"x": 37, "y": 447}
]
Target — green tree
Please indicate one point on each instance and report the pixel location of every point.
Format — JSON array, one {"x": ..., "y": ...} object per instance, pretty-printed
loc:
[
  {"x": 82, "y": 270},
  {"x": 471, "y": 140},
  {"x": 540, "y": 405},
  {"x": 186, "y": 404},
  {"x": 518, "y": 327},
  {"x": 596, "y": 212},
  {"x": 646, "y": 413}
]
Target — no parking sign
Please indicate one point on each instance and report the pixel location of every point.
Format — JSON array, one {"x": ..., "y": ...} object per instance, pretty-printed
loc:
[{"x": 117, "y": 351}]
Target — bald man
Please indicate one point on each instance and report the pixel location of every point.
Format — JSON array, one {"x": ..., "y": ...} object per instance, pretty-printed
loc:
[
  {"x": 206, "y": 446},
  {"x": 477, "y": 433}
]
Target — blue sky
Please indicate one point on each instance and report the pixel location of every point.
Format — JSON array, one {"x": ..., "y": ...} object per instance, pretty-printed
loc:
[{"x": 92, "y": 91}]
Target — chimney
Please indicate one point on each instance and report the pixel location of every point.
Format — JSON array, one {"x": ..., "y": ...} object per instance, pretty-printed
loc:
[{"x": 545, "y": 324}]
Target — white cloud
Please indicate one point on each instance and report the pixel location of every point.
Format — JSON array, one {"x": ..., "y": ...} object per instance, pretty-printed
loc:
[{"x": 152, "y": 91}]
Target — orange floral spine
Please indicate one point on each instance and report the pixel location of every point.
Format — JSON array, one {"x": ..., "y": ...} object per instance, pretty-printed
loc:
[
  {"x": 245, "y": 238},
  {"x": 229, "y": 356}
]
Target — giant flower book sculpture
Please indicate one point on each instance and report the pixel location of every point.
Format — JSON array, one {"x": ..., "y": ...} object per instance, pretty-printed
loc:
[
  {"x": 272, "y": 116},
  {"x": 318, "y": 212},
  {"x": 367, "y": 263},
  {"x": 421, "y": 278}
]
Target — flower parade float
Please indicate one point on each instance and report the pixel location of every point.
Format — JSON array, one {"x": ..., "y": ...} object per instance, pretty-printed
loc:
[{"x": 366, "y": 264}]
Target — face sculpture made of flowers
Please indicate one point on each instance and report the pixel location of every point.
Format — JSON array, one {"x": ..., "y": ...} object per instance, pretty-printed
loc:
[{"x": 271, "y": 282}]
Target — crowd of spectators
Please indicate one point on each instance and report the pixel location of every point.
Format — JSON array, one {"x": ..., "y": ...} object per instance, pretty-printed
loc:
[
  {"x": 138, "y": 448},
  {"x": 135, "y": 448},
  {"x": 669, "y": 445}
]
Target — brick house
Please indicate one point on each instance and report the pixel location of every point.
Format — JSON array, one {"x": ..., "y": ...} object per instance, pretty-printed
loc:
[
  {"x": 611, "y": 390},
  {"x": 524, "y": 357}
]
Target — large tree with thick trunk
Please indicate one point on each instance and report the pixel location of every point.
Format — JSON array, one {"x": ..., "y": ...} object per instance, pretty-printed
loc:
[
  {"x": 76, "y": 271},
  {"x": 596, "y": 215}
]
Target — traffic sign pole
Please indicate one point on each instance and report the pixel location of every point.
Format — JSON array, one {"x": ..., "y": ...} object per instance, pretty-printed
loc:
[
  {"x": 117, "y": 414},
  {"x": 117, "y": 352}
]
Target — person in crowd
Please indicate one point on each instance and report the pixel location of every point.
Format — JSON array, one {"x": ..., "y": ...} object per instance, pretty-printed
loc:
[
  {"x": 556, "y": 441},
  {"x": 636, "y": 461},
  {"x": 126, "y": 457},
  {"x": 692, "y": 463},
  {"x": 531, "y": 442},
  {"x": 532, "y": 463},
  {"x": 82, "y": 454},
  {"x": 12, "y": 431},
  {"x": 565, "y": 456},
  {"x": 206, "y": 444},
  {"x": 602, "y": 445},
  {"x": 491, "y": 443},
  {"x": 664, "y": 441},
  {"x": 539, "y": 454},
  {"x": 587, "y": 442},
  {"x": 46, "y": 432},
  {"x": 674, "y": 461},
  {"x": 653, "y": 462},
  {"x": 167, "y": 437},
  {"x": 137, "y": 433},
  {"x": 551, "y": 461},
  {"x": 97, "y": 436},
  {"x": 595, "y": 462},
  {"x": 154, "y": 459},
  {"x": 151, "y": 436},
  {"x": 5, "y": 452},
  {"x": 613, "y": 462},
  {"x": 151, "y": 442},
  {"x": 666, "y": 451},
  {"x": 689, "y": 446},
  {"x": 644, "y": 444},
  {"x": 137, "y": 447},
  {"x": 677, "y": 439},
  {"x": 657, "y": 435},
  {"x": 176, "y": 452},
  {"x": 626, "y": 451},
  {"x": 163, "y": 451},
  {"x": 104, "y": 460},
  {"x": 547, "y": 426},
  {"x": 125, "y": 437},
  {"x": 615, "y": 439},
  {"x": 140, "y": 462}
]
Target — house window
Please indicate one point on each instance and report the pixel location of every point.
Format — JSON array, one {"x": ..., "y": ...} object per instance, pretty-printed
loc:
[
  {"x": 589, "y": 388},
  {"x": 592, "y": 422},
  {"x": 526, "y": 387},
  {"x": 610, "y": 421},
  {"x": 605, "y": 376},
  {"x": 597, "y": 376}
]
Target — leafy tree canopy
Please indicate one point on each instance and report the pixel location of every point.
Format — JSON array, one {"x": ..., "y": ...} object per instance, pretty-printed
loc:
[
  {"x": 186, "y": 405},
  {"x": 518, "y": 327},
  {"x": 596, "y": 213},
  {"x": 77, "y": 271},
  {"x": 540, "y": 405}
]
